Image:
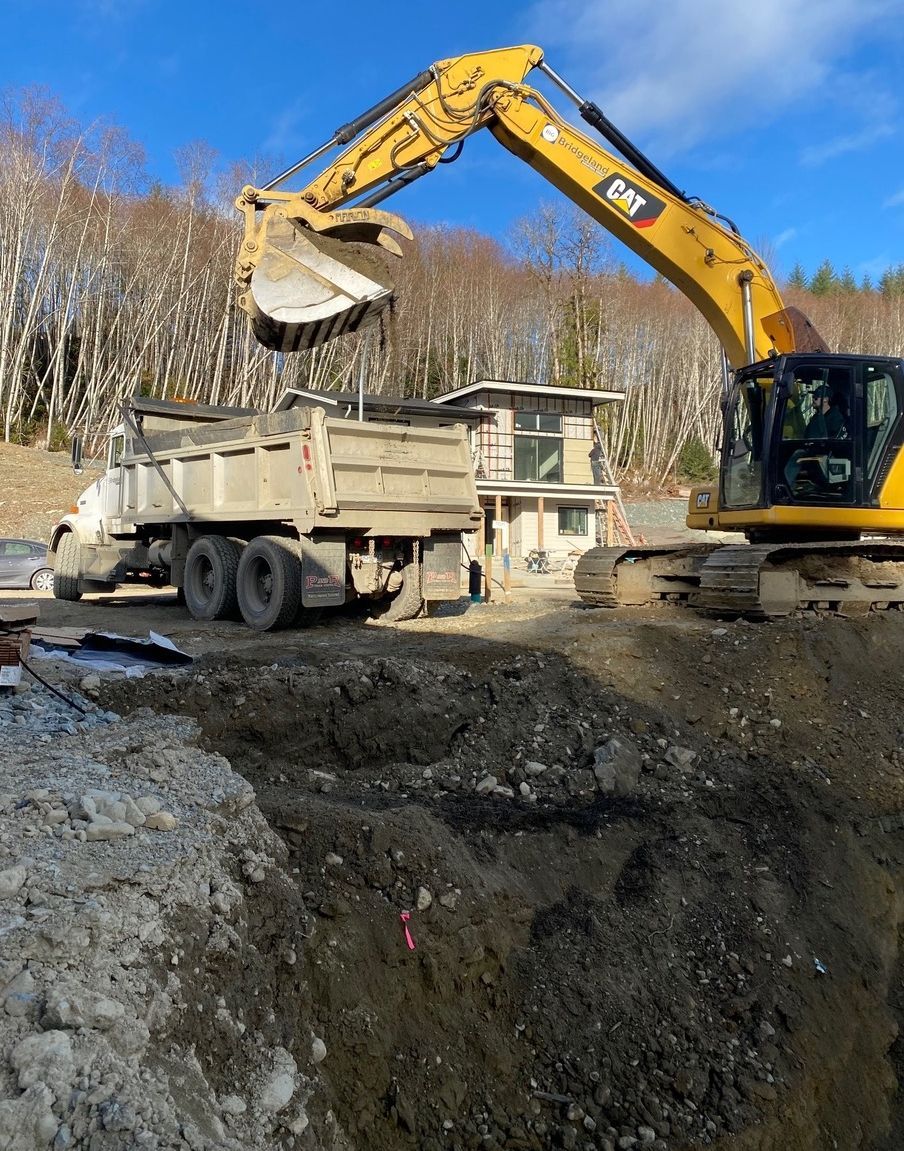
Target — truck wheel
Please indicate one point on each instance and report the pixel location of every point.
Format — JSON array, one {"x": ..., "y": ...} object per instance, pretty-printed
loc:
[
  {"x": 407, "y": 602},
  {"x": 209, "y": 582},
  {"x": 65, "y": 570},
  {"x": 269, "y": 583}
]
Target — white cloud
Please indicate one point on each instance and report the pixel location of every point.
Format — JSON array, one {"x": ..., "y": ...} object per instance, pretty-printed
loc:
[
  {"x": 784, "y": 237},
  {"x": 685, "y": 72},
  {"x": 841, "y": 145},
  {"x": 895, "y": 201}
]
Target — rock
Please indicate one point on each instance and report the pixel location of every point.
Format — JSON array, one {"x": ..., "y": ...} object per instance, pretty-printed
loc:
[
  {"x": 279, "y": 1087},
  {"x": 161, "y": 821},
  {"x": 616, "y": 766},
  {"x": 486, "y": 785},
  {"x": 332, "y": 859},
  {"x": 104, "y": 828},
  {"x": 680, "y": 757},
  {"x": 646, "y": 1135},
  {"x": 449, "y": 900},
  {"x": 89, "y": 683},
  {"x": 11, "y": 879},
  {"x": 18, "y": 996},
  {"x": 233, "y": 1105},
  {"x": 424, "y": 899},
  {"x": 132, "y": 813},
  {"x": 72, "y": 1006},
  {"x": 45, "y": 1058},
  {"x": 533, "y": 768},
  {"x": 318, "y": 1049},
  {"x": 27, "y": 1123},
  {"x": 148, "y": 804}
]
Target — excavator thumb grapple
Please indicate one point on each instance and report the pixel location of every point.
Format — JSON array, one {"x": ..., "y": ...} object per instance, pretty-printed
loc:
[{"x": 309, "y": 277}]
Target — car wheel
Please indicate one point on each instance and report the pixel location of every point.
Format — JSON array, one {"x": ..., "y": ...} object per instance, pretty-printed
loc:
[{"x": 42, "y": 580}]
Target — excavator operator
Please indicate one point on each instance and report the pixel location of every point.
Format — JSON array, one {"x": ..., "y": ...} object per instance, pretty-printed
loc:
[{"x": 828, "y": 421}]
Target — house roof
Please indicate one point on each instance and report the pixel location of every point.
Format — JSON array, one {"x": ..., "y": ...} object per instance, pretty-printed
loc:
[
  {"x": 595, "y": 395},
  {"x": 385, "y": 405}
]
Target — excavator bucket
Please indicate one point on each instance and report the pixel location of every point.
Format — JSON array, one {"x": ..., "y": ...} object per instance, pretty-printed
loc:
[{"x": 315, "y": 278}]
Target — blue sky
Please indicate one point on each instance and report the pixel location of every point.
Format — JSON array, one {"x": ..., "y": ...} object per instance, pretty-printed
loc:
[{"x": 785, "y": 115}]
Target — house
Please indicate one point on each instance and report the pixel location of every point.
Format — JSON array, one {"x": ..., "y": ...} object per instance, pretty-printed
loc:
[
  {"x": 531, "y": 447},
  {"x": 532, "y": 460}
]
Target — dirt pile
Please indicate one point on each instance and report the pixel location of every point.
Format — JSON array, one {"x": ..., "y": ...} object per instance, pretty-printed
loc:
[
  {"x": 650, "y": 906},
  {"x": 133, "y": 868}
]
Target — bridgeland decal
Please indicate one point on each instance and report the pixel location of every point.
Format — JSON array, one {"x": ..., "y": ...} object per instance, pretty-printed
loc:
[{"x": 641, "y": 207}]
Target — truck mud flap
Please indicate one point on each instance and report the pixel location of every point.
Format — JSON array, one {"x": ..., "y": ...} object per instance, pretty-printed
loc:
[
  {"x": 323, "y": 565},
  {"x": 442, "y": 567}
]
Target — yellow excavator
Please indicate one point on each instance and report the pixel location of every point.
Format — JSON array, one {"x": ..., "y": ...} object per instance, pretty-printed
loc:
[{"x": 812, "y": 456}]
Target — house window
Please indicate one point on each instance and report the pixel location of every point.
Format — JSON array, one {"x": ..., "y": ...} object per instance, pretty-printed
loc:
[
  {"x": 538, "y": 447},
  {"x": 538, "y": 458},
  {"x": 538, "y": 422},
  {"x": 572, "y": 521}
]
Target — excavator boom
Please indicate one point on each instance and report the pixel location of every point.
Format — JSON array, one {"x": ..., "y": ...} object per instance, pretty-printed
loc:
[{"x": 311, "y": 268}]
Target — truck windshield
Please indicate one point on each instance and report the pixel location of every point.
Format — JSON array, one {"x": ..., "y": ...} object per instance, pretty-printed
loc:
[{"x": 742, "y": 469}]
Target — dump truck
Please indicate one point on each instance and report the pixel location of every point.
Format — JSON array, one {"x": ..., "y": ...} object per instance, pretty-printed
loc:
[{"x": 272, "y": 516}]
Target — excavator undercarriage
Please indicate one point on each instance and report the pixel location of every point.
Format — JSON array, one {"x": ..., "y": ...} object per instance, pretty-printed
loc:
[{"x": 754, "y": 581}]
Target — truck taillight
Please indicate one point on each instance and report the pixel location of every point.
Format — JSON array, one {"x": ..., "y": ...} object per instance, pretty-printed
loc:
[
  {"x": 387, "y": 543},
  {"x": 306, "y": 456}
]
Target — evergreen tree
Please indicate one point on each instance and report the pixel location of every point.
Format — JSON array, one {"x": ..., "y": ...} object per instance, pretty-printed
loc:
[
  {"x": 847, "y": 283},
  {"x": 798, "y": 277},
  {"x": 866, "y": 284},
  {"x": 824, "y": 280}
]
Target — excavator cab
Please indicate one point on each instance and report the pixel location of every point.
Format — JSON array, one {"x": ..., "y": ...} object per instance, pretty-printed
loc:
[{"x": 808, "y": 433}]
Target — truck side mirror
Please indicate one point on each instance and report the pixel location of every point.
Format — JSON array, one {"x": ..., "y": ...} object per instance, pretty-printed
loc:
[{"x": 77, "y": 455}]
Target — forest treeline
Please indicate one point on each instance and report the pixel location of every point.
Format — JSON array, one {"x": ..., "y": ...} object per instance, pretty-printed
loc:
[{"x": 111, "y": 286}]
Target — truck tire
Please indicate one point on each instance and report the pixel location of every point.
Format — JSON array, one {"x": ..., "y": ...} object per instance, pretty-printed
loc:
[
  {"x": 65, "y": 570},
  {"x": 407, "y": 602},
  {"x": 269, "y": 583},
  {"x": 209, "y": 582}
]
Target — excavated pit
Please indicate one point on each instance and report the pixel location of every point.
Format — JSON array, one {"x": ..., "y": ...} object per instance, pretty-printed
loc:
[{"x": 709, "y": 958}]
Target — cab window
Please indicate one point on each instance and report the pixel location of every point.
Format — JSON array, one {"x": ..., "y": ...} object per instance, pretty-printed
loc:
[{"x": 115, "y": 451}]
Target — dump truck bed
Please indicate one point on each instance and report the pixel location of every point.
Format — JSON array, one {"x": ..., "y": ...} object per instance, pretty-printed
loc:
[{"x": 303, "y": 467}]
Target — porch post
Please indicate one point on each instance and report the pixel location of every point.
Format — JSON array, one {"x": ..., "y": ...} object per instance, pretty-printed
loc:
[{"x": 539, "y": 523}]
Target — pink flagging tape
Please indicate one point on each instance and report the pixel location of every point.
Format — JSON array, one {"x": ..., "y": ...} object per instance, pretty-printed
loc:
[{"x": 405, "y": 916}]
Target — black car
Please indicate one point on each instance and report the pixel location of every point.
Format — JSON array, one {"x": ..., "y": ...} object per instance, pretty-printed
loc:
[{"x": 23, "y": 564}]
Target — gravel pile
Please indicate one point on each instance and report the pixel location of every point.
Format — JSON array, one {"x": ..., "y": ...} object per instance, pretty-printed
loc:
[{"x": 130, "y": 865}]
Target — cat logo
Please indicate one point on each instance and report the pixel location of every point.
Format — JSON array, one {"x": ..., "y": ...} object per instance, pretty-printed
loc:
[
  {"x": 702, "y": 501},
  {"x": 641, "y": 207}
]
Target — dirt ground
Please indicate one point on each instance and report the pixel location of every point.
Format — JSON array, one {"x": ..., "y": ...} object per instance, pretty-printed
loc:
[
  {"x": 705, "y": 956},
  {"x": 652, "y": 864},
  {"x": 36, "y": 488}
]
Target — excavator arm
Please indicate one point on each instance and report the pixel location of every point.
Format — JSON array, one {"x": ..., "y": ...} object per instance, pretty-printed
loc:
[{"x": 311, "y": 268}]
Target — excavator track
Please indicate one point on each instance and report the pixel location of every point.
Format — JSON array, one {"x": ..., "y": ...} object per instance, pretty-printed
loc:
[
  {"x": 639, "y": 576},
  {"x": 763, "y": 581},
  {"x": 754, "y": 581}
]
